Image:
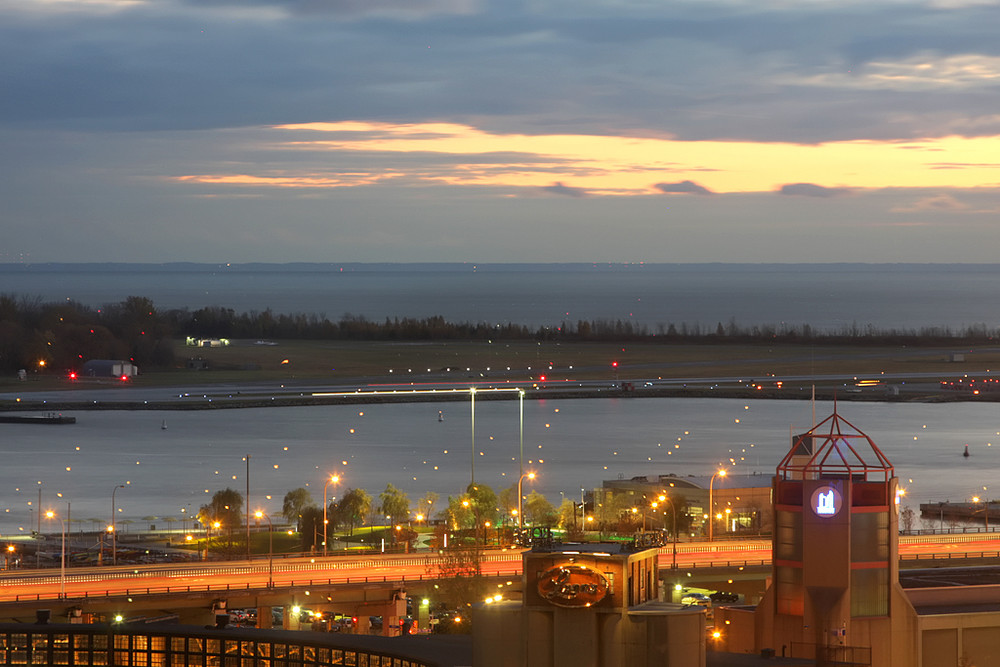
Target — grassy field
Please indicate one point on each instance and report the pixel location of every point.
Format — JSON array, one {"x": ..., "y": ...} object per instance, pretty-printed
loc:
[{"x": 375, "y": 362}]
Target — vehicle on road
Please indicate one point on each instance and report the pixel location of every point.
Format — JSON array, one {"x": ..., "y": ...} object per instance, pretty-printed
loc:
[{"x": 696, "y": 599}]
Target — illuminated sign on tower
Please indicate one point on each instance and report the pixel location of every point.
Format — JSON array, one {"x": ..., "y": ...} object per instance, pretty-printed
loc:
[{"x": 826, "y": 501}]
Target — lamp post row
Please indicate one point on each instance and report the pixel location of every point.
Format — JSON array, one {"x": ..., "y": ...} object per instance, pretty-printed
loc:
[{"x": 333, "y": 480}]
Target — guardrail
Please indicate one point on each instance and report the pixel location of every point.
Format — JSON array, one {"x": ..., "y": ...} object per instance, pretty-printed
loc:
[
  {"x": 7, "y": 596},
  {"x": 49, "y": 576},
  {"x": 222, "y": 588}
]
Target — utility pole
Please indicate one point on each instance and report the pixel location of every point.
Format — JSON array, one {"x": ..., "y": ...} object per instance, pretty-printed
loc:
[{"x": 248, "y": 507}]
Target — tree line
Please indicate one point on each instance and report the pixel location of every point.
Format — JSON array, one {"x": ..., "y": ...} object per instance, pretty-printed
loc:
[
  {"x": 35, "y": 335},
  {"x": 468, "y": 515}
]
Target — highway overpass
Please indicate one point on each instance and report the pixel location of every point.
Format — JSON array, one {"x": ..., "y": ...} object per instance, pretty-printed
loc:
[{"x": 369, "y": 585}]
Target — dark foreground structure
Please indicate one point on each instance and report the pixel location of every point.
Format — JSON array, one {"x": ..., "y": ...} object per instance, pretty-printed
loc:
[{"x": 171, "y": 644}]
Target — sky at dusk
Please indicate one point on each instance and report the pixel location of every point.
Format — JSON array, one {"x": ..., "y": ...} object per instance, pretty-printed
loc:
[{"x": 499, "y": 130}]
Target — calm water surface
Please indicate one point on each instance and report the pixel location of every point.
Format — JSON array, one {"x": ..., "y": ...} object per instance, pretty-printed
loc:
[
  {"x": 572, "y": 444},
  {"x": 825, "y": 296}
]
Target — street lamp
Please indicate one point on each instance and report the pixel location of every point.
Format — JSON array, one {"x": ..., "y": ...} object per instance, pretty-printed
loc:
[
  {"x": 472, "y": 401},
  {"x": 62, "y": 566},
  {"x": 270, "y": 548},
  {"x": 520, "y": 518},
  {"x": 333, "y": 480},
  {"x": 520, "y": 458},
  {"x": 111, "y": 527},
  {"x": 711, "y": 504},
  {"x": 986, "y": 510},
  {"x": 673, "y": 510},
  {"x": 208, "y": 535}
]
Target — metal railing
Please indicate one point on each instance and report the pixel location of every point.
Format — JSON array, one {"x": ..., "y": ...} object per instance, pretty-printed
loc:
[
  {"x": 6, "y": 596},
  {"x": 81, "y": 644}
]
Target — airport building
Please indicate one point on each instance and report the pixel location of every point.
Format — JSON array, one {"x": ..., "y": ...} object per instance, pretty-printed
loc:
[{"x": 741, "y": 503}]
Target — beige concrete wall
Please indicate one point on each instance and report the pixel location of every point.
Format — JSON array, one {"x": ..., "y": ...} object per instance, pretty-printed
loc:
[
  {"x": 952, "y": 595},
  {"x": 939, "y": 648},
  {"x": 737, "y": 630},
  {"x": 948, "y": 639}
]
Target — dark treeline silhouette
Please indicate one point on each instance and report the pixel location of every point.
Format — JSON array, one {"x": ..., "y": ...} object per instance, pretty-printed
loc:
[{"x": 63, "y": 335}]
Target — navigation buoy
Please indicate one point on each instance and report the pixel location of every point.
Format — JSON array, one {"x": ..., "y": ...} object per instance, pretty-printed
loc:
[
  {"x": 440, "y": 416},
  {"x": 966, "y": 452}
]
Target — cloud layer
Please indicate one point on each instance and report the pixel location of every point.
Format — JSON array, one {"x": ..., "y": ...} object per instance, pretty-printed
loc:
[{"x": 373, "y": 130}]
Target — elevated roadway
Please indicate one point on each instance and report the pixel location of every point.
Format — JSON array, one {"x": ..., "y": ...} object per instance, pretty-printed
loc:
[
  {"x": 263, "y": 583},
  {"x": 95, "y": 582}
]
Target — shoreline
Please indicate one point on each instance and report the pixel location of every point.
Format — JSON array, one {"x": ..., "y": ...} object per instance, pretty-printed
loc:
[{"x": 228, "y": 402}]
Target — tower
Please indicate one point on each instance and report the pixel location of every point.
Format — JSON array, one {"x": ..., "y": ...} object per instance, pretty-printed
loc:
[{"x": 835, "y": 554}]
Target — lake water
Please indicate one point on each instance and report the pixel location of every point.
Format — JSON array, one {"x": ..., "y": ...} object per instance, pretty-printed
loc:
[
  {"x": 825, "y": 296},
  {"x": 571, "y": 444}
]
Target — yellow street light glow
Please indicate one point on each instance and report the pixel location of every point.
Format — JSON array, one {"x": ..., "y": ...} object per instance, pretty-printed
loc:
[{"x": 472, "y": 390}]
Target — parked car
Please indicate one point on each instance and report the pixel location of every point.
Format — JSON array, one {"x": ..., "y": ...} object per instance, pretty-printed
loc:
[{"x": 697, "y": 598}]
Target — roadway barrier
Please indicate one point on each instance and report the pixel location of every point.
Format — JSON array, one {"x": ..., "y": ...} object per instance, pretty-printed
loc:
[{"x": 6, "y": 596}]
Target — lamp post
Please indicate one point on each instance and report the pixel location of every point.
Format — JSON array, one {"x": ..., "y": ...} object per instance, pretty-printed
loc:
[
  {"x": 270, "y": 548},
  {"x": 711, "y": 504},
  {"x": 111, "y": 527},
  {"x": 62, "y": 563},
  {"x": 247, "y": 459},
  {"x": 472, "y": 401},
  {"x": 208, "y": 534},
  {"x": 333, "y": 480},
  {"x": 520, "y": 397},
  {"x": 673, "y": 510},
  {"x": 635, "y": 510},
  {"x": 986, "y": 510},
  {"x": 520, "y": 518}
]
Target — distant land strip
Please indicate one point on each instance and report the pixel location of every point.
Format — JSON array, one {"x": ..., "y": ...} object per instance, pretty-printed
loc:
[{"x": 226, "y": 402}]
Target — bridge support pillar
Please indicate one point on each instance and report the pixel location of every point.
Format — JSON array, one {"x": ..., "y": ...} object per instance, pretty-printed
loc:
[
  {"x": 220, "y": 615},
  {"x": 290, "y": 620}
]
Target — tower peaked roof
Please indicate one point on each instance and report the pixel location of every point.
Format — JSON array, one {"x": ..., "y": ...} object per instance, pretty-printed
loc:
[{"x": 835, "y": 448}]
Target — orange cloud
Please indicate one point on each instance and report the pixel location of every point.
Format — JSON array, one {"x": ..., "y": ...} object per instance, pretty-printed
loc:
[{"x": 462, "y": 155}]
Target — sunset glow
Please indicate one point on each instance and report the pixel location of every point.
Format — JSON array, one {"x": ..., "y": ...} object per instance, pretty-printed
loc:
[{"x": 609, "y": 165}]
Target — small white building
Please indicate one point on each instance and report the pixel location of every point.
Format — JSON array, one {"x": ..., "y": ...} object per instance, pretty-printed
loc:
[{"x": 109, "y": 368}]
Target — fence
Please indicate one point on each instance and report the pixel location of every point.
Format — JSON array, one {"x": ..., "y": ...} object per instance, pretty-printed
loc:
[{"x": 184, "y": 645}]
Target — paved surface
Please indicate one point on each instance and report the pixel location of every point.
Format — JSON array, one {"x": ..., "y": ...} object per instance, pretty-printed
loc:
[{"x": 716, "y": 659}]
